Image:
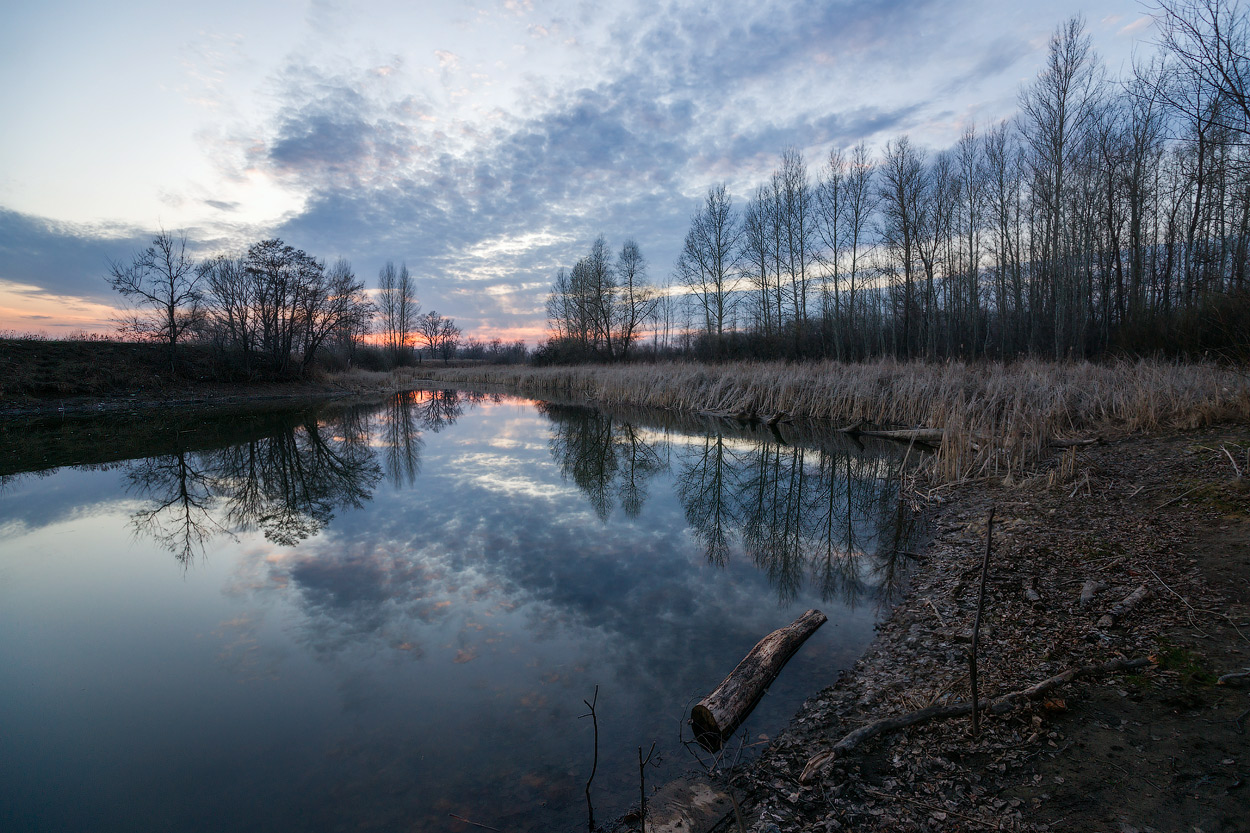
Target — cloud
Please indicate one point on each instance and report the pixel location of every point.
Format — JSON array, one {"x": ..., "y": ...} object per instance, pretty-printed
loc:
[
  {"x": 590, "y": 122},
  {"x": 63, "y": 258}
]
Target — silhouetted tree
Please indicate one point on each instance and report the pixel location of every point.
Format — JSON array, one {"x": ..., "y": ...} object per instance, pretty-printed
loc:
[{"x": 161, "y": 285}]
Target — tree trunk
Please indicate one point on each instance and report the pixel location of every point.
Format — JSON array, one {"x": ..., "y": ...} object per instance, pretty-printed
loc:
[{"x": 716, "y": 716}]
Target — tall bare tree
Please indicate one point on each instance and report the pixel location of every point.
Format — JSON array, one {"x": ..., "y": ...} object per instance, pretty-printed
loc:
[
  {"x": 637, "y": 298},
  {"x": 397, "y": 301},
  {"x": 707, "y": 263},
  {"x": 162, "y": 286}
]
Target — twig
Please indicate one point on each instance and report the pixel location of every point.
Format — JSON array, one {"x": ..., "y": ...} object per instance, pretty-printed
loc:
[
  {"x": 999, "y": 705},
  {"x": 1241, "y": 719},
  {"x": 976, "y": 625},
  {"x": 936, "y": 613},
  {"x": 642, "y": 784},
  {"x": 1178, "y": 497},
  {"x": 1177, "y": 595},
  {"x": 474, "y": 823},
  {"x": 993, "y": 825},
  {"x": 594, "y": 767},
  {"x": 1236, "y": 467}
]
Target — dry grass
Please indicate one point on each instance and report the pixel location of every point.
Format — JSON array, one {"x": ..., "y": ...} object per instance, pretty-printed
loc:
[{"x": 998, "y": 418}]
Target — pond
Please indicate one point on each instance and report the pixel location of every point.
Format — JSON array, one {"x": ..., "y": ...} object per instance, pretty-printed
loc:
[{"x": 389, "y": 615}]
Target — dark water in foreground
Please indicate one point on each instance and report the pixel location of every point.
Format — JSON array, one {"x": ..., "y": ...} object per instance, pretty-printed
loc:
[{"x": 376, "y": 617}]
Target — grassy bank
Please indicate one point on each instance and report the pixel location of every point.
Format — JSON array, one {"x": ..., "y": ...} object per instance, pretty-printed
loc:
[
  {"x": 999, "y": 419},
  {"x": 33, "y": 370}
]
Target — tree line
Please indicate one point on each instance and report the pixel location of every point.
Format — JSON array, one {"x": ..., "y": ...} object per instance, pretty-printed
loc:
[
  {"x": 1111, "y": 214},
  {"x": 279, "y": 308}
]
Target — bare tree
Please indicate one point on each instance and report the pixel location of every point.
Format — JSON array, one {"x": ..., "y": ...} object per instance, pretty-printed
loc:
[
  {"x": 860, "y": 204},
  {"x": 448, "y": 338},
  {"x": 161, "y": 284},
  {"x": 708, "y": 260},
  {"x": 637, "y": 298},
  {"x": 902, "y": 190},
  {"x": 1210, "y": 42},
  {"x": 397, "y": 300},
  {"x": 231, "y": 304},
  {"x": 756, "y": 256},
  {"x": 831, "y": 209},
  {"x": 1056, "y": 115},
  {"x": 428, "y": 327}
]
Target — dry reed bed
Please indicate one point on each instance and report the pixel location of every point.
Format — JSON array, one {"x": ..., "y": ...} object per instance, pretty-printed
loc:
[{"x": 998, "y": 417}]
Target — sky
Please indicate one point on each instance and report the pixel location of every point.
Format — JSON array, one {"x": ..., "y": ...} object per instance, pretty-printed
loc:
[{"x": 485, "y": 144}]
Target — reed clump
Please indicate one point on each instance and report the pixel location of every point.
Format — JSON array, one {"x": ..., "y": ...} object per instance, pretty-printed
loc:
[{"x": 999, "y": 419}]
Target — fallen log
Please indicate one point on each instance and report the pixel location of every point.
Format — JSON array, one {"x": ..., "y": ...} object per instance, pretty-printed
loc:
[
  {"x": 928, "y": 436},
  {"x": 999, "y": 705},
  {"x": 716, "y": 716},
  {"x": 1089, "y": 590},
  {"x": 1055, "y": 442},
  {"x": 1123, "y": 606}
]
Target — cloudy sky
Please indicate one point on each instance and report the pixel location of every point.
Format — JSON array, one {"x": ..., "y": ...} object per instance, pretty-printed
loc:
[{"x": 484, "y": 143}]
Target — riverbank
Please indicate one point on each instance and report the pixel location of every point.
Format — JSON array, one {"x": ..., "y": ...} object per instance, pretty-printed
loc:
[
  {"x": 1161, "y": 748},
  {"x": 58, "y": 380}
]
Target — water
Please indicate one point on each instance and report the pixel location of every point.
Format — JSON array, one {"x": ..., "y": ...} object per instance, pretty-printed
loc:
[{"x": 379, "y": 616}]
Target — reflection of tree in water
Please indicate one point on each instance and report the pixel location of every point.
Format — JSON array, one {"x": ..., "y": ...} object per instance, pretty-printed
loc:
[
  {"x": 402, "y": 419},
  {"x": 438, "y": 409},
  {"x": 830, "y": 513},
  {"x": 604, "y": 456},
  {"x": 401, "y": 438},
  {"x": 181, "y": 519},
  {"x": 288, "y": 484},
  {"x": 827, "y": 513}
]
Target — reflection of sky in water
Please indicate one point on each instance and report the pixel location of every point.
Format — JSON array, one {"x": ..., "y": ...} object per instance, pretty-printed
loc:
[{"x": 424, "y": 653}]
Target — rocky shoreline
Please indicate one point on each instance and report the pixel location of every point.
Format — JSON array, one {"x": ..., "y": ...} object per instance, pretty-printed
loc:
[{"x": 1160, "y": 748}]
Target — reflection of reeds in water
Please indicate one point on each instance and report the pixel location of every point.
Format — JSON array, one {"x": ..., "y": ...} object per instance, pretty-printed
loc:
[{"x": 998, "y": 418}]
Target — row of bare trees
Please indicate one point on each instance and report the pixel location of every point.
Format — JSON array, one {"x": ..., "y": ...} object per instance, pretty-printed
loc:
[
  {"x": 1108, "y": 215},
  {"x": 274, "y": 305},
  {"x": 403, "y": 329},
  {"x": 601, "y": 307}
]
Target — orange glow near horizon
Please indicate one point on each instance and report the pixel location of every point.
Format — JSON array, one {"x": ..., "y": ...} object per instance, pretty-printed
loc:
[{"x": 28, "y": 309}]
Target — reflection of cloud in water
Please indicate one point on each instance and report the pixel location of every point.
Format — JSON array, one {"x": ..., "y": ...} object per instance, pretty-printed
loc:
[{"x": 460, "y": 591}]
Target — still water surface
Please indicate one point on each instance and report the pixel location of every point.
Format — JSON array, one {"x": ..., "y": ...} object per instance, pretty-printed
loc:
[{"x": 375, "y": 617}]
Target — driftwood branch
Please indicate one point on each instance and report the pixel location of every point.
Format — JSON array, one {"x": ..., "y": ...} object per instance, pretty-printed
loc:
[
  {"x": 1089, "y": 590},
  {"x": 1055, "y": 442},
  {"x": 1123, "y": 606},
  {"x": 1236, "y": 679},
  {"x": 928, "y": 436},
  {"x": 474, "y": 823},
  {"x": 935, "y": 436},
  {"x": 716, "y": 716},
  {"x": 999, "y": 705}
]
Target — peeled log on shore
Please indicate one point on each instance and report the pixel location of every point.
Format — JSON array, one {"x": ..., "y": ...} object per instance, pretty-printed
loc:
[
  {"x": 716, "y": 716},
  {"x": 928, "y": 436}
]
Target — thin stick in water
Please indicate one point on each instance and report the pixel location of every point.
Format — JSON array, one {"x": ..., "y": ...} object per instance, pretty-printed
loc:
[{"x": 976, "y": 625}]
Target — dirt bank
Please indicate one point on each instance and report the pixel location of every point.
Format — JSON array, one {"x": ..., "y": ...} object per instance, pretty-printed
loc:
[
  {"x": 1160, "y": 749},
  {"x": 41, "y": 379}
]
